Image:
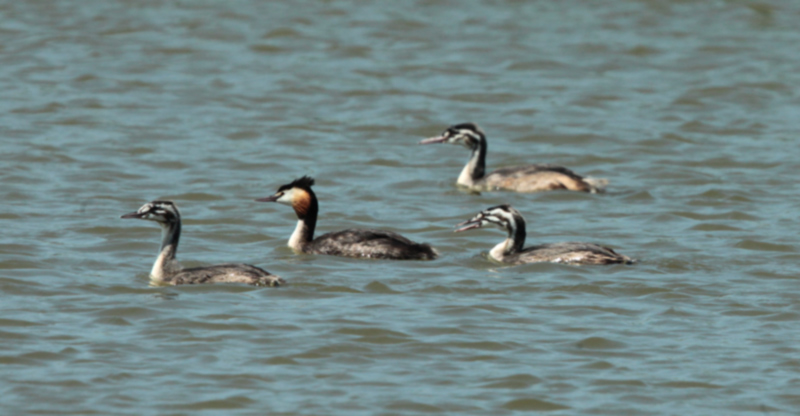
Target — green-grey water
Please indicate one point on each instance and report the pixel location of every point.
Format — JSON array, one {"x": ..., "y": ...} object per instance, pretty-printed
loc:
[{"x": 690, "y": 109}]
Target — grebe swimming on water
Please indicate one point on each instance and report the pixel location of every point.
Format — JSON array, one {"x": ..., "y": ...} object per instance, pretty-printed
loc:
[
  {"x": 531, "y": 178},
  {"x": 168, "y": 271},
  {"x": 511, "y": 250},
  {"x": 377, "y": 244}
]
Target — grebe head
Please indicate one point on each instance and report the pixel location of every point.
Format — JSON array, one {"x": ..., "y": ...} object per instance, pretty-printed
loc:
[
  {"x": 297, "y": 194},
  {"x": 468, "y": 135},
  {"x": 162, "y": 212},
  {"x": 503, "y": 216}
]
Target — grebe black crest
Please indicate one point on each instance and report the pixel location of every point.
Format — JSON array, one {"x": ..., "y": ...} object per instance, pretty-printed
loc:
[
  {"x": 362, "y": 243},
  {"x": 531, "y": 178},
  {"x": 512, "y": 250},
  {"x": 168, "y": 271}
]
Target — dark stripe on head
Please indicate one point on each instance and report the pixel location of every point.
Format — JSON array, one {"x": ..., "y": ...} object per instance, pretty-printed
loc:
[
  {"x": 465, "y": 126},
  {"x": 306, "y": 182},
  {"x": 164, "y": 203},
  {"x": 165, "y": 209},
  {"x": 504, "y": 207}
]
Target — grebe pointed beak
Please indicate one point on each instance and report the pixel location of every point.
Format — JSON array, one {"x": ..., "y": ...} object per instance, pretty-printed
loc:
[
  {"x": 431, "y": 140},
  {"x": 134, "y": 214},
  {"x": 468, "y": 225},
  {"x": 272, "y": 198}
]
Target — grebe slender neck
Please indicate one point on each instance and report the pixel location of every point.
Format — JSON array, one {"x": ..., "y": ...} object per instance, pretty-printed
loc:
[
  {"x": 306, "y": 212},
  {"x": 170, "y": 236},
  {"x": 516, "y": 234},
  {"x": 475, "y": 168}
]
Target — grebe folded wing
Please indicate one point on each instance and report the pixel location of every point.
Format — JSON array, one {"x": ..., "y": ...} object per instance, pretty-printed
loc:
[
  {"x": 371, "y": 243},
  {"x": 227, "y": 273},
  {"x": 571, "y": 252},
  {"x": 534, "y": 178}
]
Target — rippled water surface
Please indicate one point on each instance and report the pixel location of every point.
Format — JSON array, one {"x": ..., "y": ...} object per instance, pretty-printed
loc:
[{"x": 690, "y": 109}]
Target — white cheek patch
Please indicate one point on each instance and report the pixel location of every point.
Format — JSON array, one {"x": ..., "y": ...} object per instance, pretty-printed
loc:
[
  {"x": 153, "y": 217},
  {"x": 463, "y": 140},
  {"x": 497, "y": 221},
  {"x": 287, "y": 197}
]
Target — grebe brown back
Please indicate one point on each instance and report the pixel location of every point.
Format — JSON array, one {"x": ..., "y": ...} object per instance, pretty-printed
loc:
[
  {"x": 530, "y": 178},
  {"x": 512, "y": 250},
  {"x": 368, "y": 243},
  {"x": 168, "y": 271}
]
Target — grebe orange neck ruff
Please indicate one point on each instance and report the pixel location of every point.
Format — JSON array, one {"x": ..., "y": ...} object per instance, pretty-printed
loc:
[{"x": 362, "y": 243}]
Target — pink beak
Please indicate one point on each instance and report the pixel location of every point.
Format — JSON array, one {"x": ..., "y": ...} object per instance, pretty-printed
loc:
[
  {"x": 431, "y": 140},
  {"x": 271, "y": 198},
  {"x": 134, "y": 214},
  {"x": 468, "y": 225}
]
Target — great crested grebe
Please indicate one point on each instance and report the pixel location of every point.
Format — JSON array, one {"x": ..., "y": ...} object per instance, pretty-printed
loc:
[
  {"x": 511, "y": 250},
  {"x": 530, "y": 178},
  {"x": 168, "y": 271},
  {"x": 377, "y": 244}
]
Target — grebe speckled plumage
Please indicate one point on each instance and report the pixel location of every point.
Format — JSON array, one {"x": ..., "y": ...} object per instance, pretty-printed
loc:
[
  {"x": 512, "y": 251},
  {"x": 364, "y": 243},
  {"x": 530, "y": 178},
  {"x": 167, "y": 270}
]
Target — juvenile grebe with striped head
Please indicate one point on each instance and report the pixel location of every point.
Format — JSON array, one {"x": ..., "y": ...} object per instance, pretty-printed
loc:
[
  {"x": 530, "y": 178},
  {"x": 167, "y": 270},
  {"x": 377, "y": 244},
  {"x": 512, "y": 250}
]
